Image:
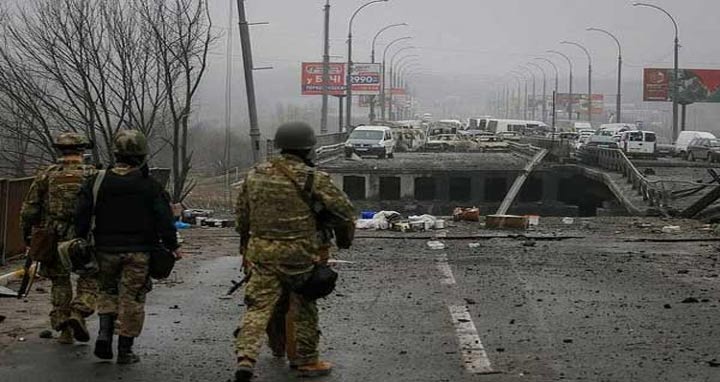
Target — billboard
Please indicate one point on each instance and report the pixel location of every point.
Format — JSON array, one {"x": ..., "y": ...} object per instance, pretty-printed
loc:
[
  {"x": 312, "y": 78},
  {"x": 696, "y": 85},
  {"x": 365, "y": 79},
  {"x": 580, "y": 103}
]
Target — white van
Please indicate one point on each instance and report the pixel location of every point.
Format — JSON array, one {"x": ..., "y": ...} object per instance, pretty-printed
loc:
[
  {"x": 686, "y": 137},
  {"x": 372, "y": 141},
  {"x": 640, "y": 143}
]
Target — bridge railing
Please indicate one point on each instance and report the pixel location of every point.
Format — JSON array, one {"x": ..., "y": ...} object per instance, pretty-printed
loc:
[
  {"x": 653, "y": 192},
  {"x": 559, "y": 148},
  {"x": 525, "y": 149}
]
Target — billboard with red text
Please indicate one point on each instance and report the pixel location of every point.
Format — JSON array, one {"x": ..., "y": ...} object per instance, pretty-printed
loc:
[
  {"x": 695, "y": 85},
  {"x": 312, "y": 78}
]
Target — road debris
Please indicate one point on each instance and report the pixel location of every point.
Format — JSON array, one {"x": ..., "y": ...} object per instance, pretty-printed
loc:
[{"x": 435, "y": 245}]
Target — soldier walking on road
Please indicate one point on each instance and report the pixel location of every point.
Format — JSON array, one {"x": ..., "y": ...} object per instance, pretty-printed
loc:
[
  {"x": 284, "y": 210},
  {"x": 132, "y": 219},
  {"x": 50, "y": 205}
]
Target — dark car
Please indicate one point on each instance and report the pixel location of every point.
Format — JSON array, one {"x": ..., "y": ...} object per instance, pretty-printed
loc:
[{"x": 704, "y": 149}]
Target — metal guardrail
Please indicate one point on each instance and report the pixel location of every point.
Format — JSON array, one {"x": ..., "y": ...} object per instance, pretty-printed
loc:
[
  {"x": 328, "y": 152},
  {"x": 652, "y": 192},
  {"x": 526, "y": 149}
]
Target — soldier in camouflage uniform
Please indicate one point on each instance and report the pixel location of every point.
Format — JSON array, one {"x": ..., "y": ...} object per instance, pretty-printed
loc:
[
  {"x": 133, "y": 218},
  {"x": 280, "y": 242},
  {"x": 51, "y": 203}
]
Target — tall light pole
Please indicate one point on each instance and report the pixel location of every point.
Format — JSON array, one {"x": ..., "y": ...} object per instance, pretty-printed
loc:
[
  {"x": 534, "y": 93},
  {"x": 403, "y": 65},
  {"x": 557, "y": 83},
  {"x": 526, "y": 79},
  {"x": 383, "y": 106},
  {"x": 589, "y": 57},
  {"x": 516, "y": 76},
  {"x": 348, "y": 78},
  {"x": 676, "y": 71},
  {"x": 544, "y": 91},
  {"x": 326, "y": 69},
  {"x": 372, "y": 60},
  {"x": 570, "y": 85},
  {"x": 618, "y": 106},
  {"x": 392, "y": 77}
]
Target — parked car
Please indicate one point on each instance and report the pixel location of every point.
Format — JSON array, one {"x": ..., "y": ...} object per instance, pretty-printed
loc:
[
  {"x": 371, "y": 141},
  {"x": 684, "y": 139},
  {"x": 638, "y": 143},
  {"x": 443, "y": 142},
  {"x": 704, "y": 149}
]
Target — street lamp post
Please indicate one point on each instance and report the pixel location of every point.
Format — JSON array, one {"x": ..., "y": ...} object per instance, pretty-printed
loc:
[
  {"x": 384, "y": 71},
  {"x": 534, "y": 93},
  {"x": 618, "y": 106},
  {"x": 348, "y": 76},
  {"x": 403, "y": 67},
  {"x": 525, "y": 78},
  {"x": 372, "y": 60},
  {"x": 557, "y": 83},
  {"x": 676, "y": 71},
  {"x": 392, "y": 78},
  {"x": 589, "y": 57},
  {"x": 544, "y": 96},
  {"x": 570, "y": 85}
]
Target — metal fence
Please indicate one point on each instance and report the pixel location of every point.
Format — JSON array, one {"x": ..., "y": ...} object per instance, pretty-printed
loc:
[
  {"x": 323, "y": 140},
  {"x": 12, "y": 193}
]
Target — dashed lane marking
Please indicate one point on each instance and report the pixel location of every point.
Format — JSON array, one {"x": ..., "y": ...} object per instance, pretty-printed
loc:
[
  {"x": 444, "y": 267},
  {"x": 475, "y": 358}
]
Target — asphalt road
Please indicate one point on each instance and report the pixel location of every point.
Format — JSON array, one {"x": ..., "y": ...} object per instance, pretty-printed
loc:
[{"x": 590, "y": 309}]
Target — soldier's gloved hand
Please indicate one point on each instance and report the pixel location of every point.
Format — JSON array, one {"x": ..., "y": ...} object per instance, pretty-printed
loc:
[{"x": 178, "y": 254}]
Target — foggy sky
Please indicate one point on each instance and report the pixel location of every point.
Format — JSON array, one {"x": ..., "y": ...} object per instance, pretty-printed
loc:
[{"x": 475, "y": 42}]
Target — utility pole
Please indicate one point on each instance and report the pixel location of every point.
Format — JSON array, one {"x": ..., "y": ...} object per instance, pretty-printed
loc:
[
  {"x": 326, "y": 71},
  {"x": 249, "y": 81},
  {"x": 228, "y": 102}
]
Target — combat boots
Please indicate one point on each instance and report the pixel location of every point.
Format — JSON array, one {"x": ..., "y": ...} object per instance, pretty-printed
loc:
[
  {"x": 317, "y": 369},
  {"x": 244, "y": 371},
  {"x": 66, "y": 337},
  {"x": 125, "y": 353},
  {"x": 77, "y": 324},
  {"x": 103, "y": 344}
]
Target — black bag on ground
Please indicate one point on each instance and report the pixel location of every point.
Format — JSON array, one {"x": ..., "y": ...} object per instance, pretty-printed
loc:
[
  {"x": 162, "y": 262},
  {"x": 319, "y": 284}
]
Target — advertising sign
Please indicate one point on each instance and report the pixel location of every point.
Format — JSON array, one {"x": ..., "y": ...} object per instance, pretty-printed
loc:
[
  {"x": 580, "y": 103},
  {"x": 695, "y": 85},
  {"x": 365, "y": 79},
  {"x": 312, "y": 78}
]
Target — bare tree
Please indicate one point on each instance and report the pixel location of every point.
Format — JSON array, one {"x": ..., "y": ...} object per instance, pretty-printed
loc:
[
  {"x": 98, "y": 66},
  {"x": 182, "y": 34}
]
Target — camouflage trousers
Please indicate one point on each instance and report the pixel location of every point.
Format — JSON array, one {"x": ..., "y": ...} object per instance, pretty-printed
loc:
[
  {"x": 265, "y": 296},
  {"x": 64, "y": 304},
  {"x": 124, "y": 282}
]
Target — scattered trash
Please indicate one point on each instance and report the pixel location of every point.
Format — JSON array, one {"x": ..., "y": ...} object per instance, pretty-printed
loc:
[
  {"x": 21, "y": 339},
  {"x": 440, "y": 224},
  {"x": 690, "y": 300},
  {"x": 713, "y": 363},
  {"x": 2, "y": 318},
  {"x": 435, "y": 245},
  {"x": 667, "y": 306},
  {"x": 46, "y": 335},
  {"x": 474, "y": 245},
  {"x": 466, "y": 214},
  {"x": 181, "y": 225},
  {"x": 422, "y": 222},
  {"x": 218, "y": 223},
  {"x": 195, "y": 216},
  {"x": 568, "y": 221},
  {"x": 367, "y": 214},
  {"x": 671, "y": 229},
  {"x": 568, "y": 341},
  {"x": 470, "y": 301},
  {"x": 529, "y": 243}
]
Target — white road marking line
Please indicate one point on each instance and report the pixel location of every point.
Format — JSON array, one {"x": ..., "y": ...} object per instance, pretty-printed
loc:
[
  {"x": 474, "y": 357},
  {"x": 444, "y": 267}
]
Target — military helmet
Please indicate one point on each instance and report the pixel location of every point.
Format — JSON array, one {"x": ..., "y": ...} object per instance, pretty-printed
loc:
[
  {"x": 295, "y": 136},
  {"x": 131, "y": 143},
  {"x": 71, "y": 140}
]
